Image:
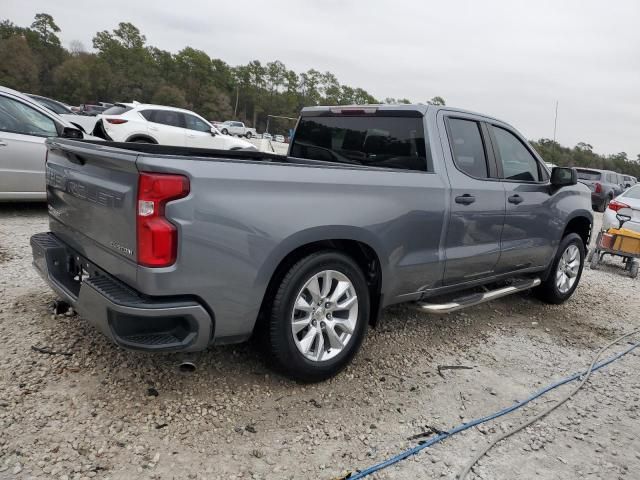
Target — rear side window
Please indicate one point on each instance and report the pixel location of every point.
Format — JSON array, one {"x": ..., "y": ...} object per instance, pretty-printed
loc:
[
  {"x": 374, "y": 141},
  {"x": 116, "y": 110},
  {"x": 588, "y": 174},
  {"x": 633, "y": 192},
  {"x": 517, "y": 161},
  {"x": 164, "y": 117},
  {"x": 468, "y": 147}
]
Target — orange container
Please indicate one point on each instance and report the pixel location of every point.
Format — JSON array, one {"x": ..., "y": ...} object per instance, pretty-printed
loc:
[{"x": 627, "y": 244}]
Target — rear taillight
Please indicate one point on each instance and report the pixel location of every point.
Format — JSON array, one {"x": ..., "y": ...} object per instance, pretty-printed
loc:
[
  {"x": 615, "y": 205},
  {"x": 157, "y": 237},
  {"x": 598, "y": 188},
  {"x": 116, "y": 121}
]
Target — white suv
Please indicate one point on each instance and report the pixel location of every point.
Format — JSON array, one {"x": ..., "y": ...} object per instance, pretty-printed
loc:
[{"x": 144, "y": 123}]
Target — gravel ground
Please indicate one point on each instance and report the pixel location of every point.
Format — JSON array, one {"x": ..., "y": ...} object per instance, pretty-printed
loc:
[{"x": 106, "y": 413}]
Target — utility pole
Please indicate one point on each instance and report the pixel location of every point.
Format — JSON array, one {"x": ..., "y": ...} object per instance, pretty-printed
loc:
[
  {"x": 555, "y": 123},
  {"x": 235, "y": 110}
]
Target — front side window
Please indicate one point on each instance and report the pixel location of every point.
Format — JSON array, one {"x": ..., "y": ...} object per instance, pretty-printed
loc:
[
  {"x": 517, "y": 161},
  {"x": 468, "y": 147},
  {"x": 194, "y": 123},
  {"x": 374, "y": 141},
  {"x": 16, "y": 117}
]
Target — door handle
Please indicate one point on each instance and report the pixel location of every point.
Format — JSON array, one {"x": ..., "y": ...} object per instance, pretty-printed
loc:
[
  {"x": 515, "y": 199},
  {"x": 3, "y": 143},
  {"x": 465, "y": 199}
]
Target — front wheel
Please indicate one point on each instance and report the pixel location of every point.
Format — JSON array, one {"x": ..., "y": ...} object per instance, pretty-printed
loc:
[
  {"x": 248, "y": 135},
  {"x": 633, "y": 269},
  {"x": 319, "y": 316},
  {"x": 566, "y": 271},
  {"x": 224, "y": 131}
]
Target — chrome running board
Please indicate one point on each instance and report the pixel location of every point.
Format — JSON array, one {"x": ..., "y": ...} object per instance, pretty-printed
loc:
[{"x": 477, "y": 298}]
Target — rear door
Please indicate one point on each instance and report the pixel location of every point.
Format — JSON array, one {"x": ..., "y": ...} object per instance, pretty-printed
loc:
[
  {"x": 167, "y": 127},
  {"x": 477, "y": 199},
  {"x": 529, "y": 218},
  {"x": 23, "y": 131}
]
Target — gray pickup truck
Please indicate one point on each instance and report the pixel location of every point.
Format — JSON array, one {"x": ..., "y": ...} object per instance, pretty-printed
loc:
[{"x": 177, "y": 249}]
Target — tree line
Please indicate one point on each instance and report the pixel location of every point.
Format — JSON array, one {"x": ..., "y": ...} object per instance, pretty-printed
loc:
[{"x": 123, "y": 67}]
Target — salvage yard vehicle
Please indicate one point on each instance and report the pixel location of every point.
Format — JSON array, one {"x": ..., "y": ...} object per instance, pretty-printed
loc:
[
  {"x": 146, "y": 123},
  {"x": 604, "y": 186},
  {"x": 24, "y": 126},
  {"x": 174, "y": 249},
  {"x": 236, "y": 128},
  {"x": 84, "y": 122}
]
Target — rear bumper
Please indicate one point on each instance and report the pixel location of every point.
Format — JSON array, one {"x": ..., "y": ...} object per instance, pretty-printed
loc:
[{"x": 128, "y": 318}]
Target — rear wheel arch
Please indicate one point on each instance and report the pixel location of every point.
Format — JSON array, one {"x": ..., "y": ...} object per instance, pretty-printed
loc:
[
  {"x": 363, "y": 254},
  {"x": 580, "y": 224},
  {"x": 140, "y": 138}
]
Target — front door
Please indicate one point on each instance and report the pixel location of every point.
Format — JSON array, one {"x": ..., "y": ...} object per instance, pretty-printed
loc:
[
  {"x": 23, "y": 131},
  {"x": 526, "y": 241},
  {"x": 477, "y": 200}
]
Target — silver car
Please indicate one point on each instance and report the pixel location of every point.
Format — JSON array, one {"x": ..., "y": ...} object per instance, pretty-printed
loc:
[
  {"x": 24, "y": 126},
  {"x": 627, "y": 203}
]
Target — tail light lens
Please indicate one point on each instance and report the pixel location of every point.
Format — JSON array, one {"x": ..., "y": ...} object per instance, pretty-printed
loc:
[
  {"x": 116, "y": 121},
  {"x": 598, "y": 188},
  {"x": 157, "y": 237},
  {"x": 615, "y": 205}
]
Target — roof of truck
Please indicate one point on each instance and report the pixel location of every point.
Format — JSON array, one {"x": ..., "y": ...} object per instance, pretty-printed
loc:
[{"x": 420, "y": 108}]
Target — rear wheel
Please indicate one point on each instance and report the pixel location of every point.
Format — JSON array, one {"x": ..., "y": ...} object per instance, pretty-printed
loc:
[
  {"x": 565, "y": 272},
  {"x": 224, "y": 131},
  {"x": 319, "y": 316},
  {"x": 248, "y": 135},
  {"x": 594, "y": 263},
  {"x": 605, "y": 204}
]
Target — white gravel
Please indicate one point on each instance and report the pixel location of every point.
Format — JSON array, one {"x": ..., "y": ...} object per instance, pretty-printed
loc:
[{"x": 95, "y": 413}]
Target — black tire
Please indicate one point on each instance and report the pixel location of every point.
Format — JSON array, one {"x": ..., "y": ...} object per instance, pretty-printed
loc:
[
  {"x": 282, "y": 348},
  {"x": 248, "y": 135},
  {"x": 548, "y": 291},
  {"x": 224, "y": 131},
  {"x": 594, "y": 263},
  {"x": 605, "y": 204}
]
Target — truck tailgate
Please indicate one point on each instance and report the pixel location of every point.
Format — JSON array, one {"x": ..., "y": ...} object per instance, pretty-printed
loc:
[{"x": 91, "y": 192}]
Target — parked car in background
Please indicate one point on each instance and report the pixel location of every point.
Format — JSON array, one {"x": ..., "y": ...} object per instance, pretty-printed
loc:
[
  {"x": 24, "y": 126},
  {"x": 279, "y": 138},
  {"x": 629, "y": 181},
  {"x": 236, "y": 128},
  {"x": 604, "y": 186},
  {"x": 266, "y": 136},
  {"x": 86, "y": 123},
  {"x": 627, "y": 203},
  {"x": 92, "y": 110},
  {"x": 145, "y": 123},
  {"x": 196, "y": 247}
]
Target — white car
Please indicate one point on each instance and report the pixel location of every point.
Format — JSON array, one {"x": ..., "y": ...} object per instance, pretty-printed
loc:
[
  {"x": 236, "y": 128},
  {"x": 145, "y": 123},
  {"x": 627, "y": 203},
  {"x": 279, "y": 138}
]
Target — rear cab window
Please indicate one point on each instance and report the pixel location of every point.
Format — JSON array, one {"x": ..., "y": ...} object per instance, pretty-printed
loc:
[
  {"x": 372, "y": 140},
  {"x": 468, "y": 148}
]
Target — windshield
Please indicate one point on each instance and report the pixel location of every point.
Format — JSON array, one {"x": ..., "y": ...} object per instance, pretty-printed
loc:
[
  {"x": 378, "y": 141},
  {"x": 588, "y": 174}
]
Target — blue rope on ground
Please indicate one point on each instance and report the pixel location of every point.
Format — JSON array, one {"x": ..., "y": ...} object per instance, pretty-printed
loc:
[{"x": 440, "y": 437}]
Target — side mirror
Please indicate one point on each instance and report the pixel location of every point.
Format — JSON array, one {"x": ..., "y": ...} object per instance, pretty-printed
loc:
[
  {"x": 71, "y": 132},
  {"x": 622, "y": 219},
  {"x": 563, "y": 177}
]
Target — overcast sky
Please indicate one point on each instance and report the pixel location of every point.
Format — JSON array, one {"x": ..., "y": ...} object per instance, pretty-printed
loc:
[{"x": 509, "y": 59}]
